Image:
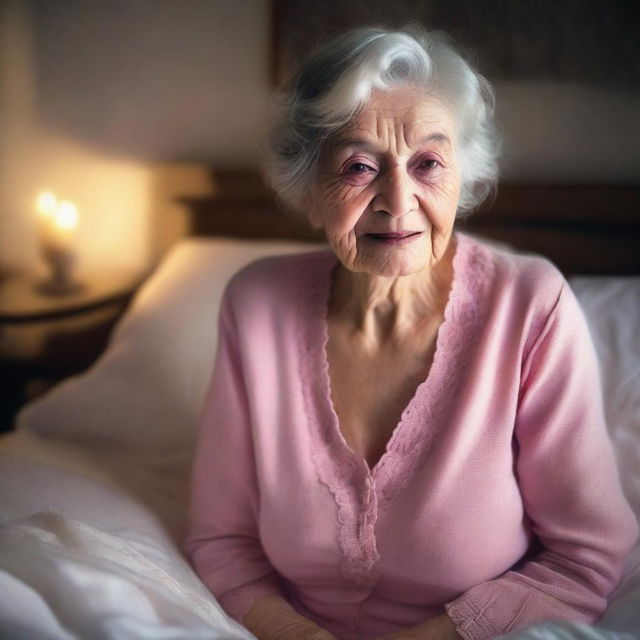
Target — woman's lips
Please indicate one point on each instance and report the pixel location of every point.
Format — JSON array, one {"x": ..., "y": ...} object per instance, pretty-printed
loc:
[{"x": 395, "y": 237}]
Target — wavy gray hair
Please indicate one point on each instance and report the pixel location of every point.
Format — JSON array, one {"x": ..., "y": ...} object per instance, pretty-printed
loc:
[{"x": 335, "y": 82}]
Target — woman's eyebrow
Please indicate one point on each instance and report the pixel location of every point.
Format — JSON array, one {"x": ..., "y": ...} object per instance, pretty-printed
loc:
[
  {"x": 370, "y": 145},
  {"x": 354, "y": 142},
  {"x": 436, "y": 137}
]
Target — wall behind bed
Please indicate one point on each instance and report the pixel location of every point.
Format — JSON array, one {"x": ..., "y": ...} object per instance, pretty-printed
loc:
[{"x": 120, "y": 106}]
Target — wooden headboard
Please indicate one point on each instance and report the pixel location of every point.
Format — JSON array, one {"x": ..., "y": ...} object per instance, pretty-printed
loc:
[{"x": 591, "y": 229}]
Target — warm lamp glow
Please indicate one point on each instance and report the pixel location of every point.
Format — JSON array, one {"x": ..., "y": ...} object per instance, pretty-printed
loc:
[
  {"x": 66, "y": 215},
  {"x": 58, "y": 222},
  {"x": 46, "y": 203},
  {"x": 58, "y": 219}
]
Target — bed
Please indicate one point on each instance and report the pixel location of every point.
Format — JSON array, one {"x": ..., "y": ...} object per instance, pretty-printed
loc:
[{"x": 94, "y": 479}]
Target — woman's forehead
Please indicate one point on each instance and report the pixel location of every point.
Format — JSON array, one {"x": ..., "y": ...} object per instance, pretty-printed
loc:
[{"x": 404, "y": 115}]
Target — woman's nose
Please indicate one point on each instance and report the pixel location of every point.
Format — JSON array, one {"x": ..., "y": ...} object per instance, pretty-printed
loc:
[{"x": 396, "y": 195}]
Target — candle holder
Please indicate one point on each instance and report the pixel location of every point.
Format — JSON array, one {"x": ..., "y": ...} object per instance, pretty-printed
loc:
[{"x": 61, "y": 263}]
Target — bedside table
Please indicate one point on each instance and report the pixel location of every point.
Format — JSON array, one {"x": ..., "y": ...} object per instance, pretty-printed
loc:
[{"x": 45, "y": 338}]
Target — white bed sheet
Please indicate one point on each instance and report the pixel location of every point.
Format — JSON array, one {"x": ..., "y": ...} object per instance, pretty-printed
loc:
[
  {"x": 88, "y": 549},
  {"x": 93, "y": 486}
]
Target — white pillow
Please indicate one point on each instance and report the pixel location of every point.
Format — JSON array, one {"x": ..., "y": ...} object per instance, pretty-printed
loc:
[
  {"x": 612, "y": 309},
  {"x": 146, "y": 391}
]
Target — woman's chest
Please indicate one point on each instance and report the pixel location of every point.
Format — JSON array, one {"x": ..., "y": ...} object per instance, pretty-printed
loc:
[
  {"x": 371, "y": 387},
  {"x": 455, "y": 524}
]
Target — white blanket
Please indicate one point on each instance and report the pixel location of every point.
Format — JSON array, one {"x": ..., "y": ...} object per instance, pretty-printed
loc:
[{"x": 79, "y": 582}]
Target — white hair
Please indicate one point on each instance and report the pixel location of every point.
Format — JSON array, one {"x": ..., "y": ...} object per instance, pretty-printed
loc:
[{"x": 336, "y": 81}]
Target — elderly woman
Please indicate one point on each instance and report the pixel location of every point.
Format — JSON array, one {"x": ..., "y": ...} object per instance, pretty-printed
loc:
[{"x": 404, "y": 436}]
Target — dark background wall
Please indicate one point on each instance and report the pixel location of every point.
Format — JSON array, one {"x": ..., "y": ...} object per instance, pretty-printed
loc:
[{"x": 120, "y": 105}]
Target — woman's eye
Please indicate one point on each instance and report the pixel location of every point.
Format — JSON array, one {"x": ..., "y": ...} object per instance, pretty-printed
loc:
[
  {"x": 359, "y": 173},
  {"x": 429, "y": 164},
  {"x": 359, "y": 167}
]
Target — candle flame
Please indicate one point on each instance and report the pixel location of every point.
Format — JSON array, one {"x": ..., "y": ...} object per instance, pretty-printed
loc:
[
  {"x": 66, "y": 215},
  {"x": 46, "y": 203}
]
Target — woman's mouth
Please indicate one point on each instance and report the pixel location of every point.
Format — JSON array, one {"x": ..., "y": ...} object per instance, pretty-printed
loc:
[{"x": 395, "y": 237}]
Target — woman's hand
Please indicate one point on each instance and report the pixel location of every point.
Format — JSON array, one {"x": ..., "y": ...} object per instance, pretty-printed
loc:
[
  {"x": 440, "y": 628},
  {"x": 273, "y": 618},
  {"x": 302, "y": 631}
]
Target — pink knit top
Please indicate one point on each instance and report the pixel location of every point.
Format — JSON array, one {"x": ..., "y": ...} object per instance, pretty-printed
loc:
[{"x": 497, "y": 498}]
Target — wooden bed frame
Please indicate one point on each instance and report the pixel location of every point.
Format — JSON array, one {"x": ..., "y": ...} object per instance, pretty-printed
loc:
[{"x": 590, "y": 229}]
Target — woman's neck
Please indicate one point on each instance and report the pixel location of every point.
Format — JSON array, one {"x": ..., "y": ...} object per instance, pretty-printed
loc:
[{"x": 378, "y": 308}]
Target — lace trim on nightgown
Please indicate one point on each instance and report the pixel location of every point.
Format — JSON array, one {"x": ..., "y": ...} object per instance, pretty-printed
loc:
[{"x": 361, "y": 495}]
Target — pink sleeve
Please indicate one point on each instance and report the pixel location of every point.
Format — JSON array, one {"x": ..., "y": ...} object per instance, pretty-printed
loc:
[
  {"x": 570, "y": 488},
  {"x": 223, "y": 542}
]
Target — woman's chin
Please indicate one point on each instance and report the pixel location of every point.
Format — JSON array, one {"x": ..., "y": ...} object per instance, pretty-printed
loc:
[{"x": 394, "y": 264}]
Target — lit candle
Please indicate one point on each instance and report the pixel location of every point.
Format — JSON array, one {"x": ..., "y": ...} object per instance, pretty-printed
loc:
[
  {"x": 65, "y": 221},
  {"x": 58, "y": 222}
]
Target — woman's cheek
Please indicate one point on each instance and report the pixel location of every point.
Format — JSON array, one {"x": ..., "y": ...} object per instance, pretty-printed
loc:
[
  {"x": 328, "y": 200},
  {"x": 345, "y": 246},
  {"x": 341, "y": 232},
  {"x": 445, "y": 186},
  {"x": 348, "y": 207},
  {"x": 443, "y": 201}
]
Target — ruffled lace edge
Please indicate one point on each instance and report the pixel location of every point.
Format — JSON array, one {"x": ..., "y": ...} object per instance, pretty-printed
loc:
[{"x": 360, "y": 495}]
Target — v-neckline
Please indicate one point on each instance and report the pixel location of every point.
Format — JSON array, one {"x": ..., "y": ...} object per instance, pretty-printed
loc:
[
  {"x": 362, "y": 494},
  {"x": 421, "y": 388}
]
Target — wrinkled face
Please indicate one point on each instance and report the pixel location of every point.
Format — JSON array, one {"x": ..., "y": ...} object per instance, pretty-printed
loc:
[{"x": 388, "y": 185}]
